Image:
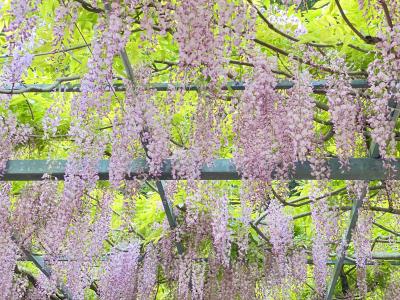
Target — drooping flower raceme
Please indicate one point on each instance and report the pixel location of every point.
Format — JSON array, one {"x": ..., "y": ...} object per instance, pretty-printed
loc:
[
  {"x": 119, "y": 278},
  {"x": 253, "y": 122},
  {"x": 280, "y": 233},
  {"x": 194, "y": 33},
  {"x": 287, "y": 23},
  {"x": 139, "y": 125},
  {"x": 343, "y": 109},
  {"x": 264, "y": 145},
  {"x": 11, "y": 134},
  {"x": 62, "y": 20},
  {"x": 110, "y": 37},
  {"x": 220, "y": 231},
  {"x": 362, "y": 247},
  {"x": 148, "y": 274},
  {"x": 325, "y": 225},
  {"x": 83, "y": 246},
  {"x": 8, "y": 254},
  {"x": 300, "y": 108},
  {"x": 383, "y": 77},
  {"x": 21, "y": 39},
  {"x": 202, "y": 28},
  {"x": 358, "y": 191},
  {"x": 198, "y": 280},
  {"x": 204, "y": 142},
  {"x": 184, "y": 272},
  {"x": 23, "y": 25},
  {"x": 246, "y": 208},
  {"x": 52, "y": 118},
  {"x": 81, "y": 175},
  {"x": 34, "y": 207},
  {"x": 16, "y": 68}
]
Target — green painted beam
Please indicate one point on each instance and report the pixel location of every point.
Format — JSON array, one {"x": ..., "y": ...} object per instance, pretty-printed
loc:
[
  {"x": 220, "y": 169},
  {"x": 39, "y": 262},
  {"x": 353, "y": 263},
  {"x": 389, "y": 258},
  {"x": 379, "y": 258},
  {"x": 160, "y": 188},
  {"x": 318, "y": 86},
  {"x": 169, "y": 213},
  {"x": 340, "y": 261}
]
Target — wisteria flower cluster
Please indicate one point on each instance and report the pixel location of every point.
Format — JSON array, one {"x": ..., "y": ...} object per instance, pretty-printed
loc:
[{"x": 230, "y": 240}]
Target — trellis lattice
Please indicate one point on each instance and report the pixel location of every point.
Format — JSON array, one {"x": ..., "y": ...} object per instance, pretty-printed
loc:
[
  {"x": 367, "y": 169},
  {"x": 370, "y": 168}
]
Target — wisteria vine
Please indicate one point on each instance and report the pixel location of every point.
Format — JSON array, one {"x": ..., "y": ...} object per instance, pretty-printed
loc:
[{"x": 242, "y": 240}]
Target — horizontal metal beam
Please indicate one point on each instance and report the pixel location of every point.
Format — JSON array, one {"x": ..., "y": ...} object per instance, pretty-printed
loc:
[
  {"x": 219, "y": 169},
  {"x": 352, "y": 262},
  {"x": 318, "y": 86},
  {"x": 389, "y": 258}
]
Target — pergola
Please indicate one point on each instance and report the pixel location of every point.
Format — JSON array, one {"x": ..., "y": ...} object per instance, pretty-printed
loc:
[{"x": 367, "y": 169}]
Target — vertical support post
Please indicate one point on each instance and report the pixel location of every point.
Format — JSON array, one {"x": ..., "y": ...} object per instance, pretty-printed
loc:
[
  {"x": 41, "y": 265},
  {"x": 169, "y": 212},
  {"x": 345, "y": 242},
  {"x": 166, "y": 204},
  {"x": 39, "y": 262},
  {"x": 372, "y": 153}
]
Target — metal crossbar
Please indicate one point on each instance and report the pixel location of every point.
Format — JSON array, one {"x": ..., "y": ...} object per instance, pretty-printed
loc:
[
  {"x": 386, "y": 258},
  {"x": 120, "y": 87},
  {"x": 218, "y": 169}
]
